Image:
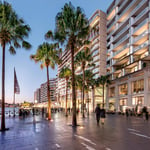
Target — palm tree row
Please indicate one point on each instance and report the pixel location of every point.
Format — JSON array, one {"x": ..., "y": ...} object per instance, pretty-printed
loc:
[
  {"x": 13, "y": 32},
  {"x": 71, "y": 30}
]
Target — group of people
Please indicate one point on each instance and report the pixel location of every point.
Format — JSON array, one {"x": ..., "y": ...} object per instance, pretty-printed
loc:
[
  {"x": 144, "y": 113},
  {"x": 100, "y": 114}
]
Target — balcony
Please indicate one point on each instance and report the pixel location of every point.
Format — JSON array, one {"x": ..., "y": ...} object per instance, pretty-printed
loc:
[
  {"x": 121, "y": 32},
  {"x": 140, "y": 36},
  {"x": 141, "y": 46},
  {"x": 141, "y": 14},
  {"x": 125, "y": 10},
  {"x": 119, "y": 51},
  {"x": 141, "y": 24},
  {"x": 138, "y": 6},
  {"x": 121, "y": 6},
  {"x": 121, "y": 40}
]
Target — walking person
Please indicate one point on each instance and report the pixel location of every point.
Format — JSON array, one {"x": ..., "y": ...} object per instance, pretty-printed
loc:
[
  {"x": 103, "y": 116},
  {"x": 98, "y": 112},
  {"x": 127, "y": 113},
  {"x": 147, "y": 115}
]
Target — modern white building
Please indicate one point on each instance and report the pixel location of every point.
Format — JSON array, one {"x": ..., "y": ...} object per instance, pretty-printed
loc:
[{"x": 128, "y": 54}]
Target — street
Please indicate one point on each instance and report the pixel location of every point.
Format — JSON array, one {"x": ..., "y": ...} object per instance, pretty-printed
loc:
[{"x": 36, "y": 133}]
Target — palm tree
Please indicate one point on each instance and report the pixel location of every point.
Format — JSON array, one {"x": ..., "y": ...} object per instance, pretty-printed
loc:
[
  {"x": 83, "y": 59},
  {"x": 79, "y": 83},
  {"x": 13, "y": 31},
  {"x": 103, "y": 81},
  {"x": 72, "y": 28},
  {"x": 48, "y": 55},
  {"x": 90, "y": 81},
  {"x": 65, "y": 73}
]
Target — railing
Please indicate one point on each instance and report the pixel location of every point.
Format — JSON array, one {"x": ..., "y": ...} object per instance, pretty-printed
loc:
[
  {"x": 122, "y": 5},
  {"x": 141, "y": 46},
  {"x": 140, "y": 25},
  {"x": 117, "y": 52},
  {"x": 141, "y": 35},
  {"x": 121, "y": 40},
  {"x": 141, "y": 14},
  {"x": 138, "y": 6},
  {"x": 10, "y": 113},
  {"x": 122, "y": 31},
  {"x": 125, "y": 10}
]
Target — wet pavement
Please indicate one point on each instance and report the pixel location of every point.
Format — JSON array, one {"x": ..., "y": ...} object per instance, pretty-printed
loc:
[{"x": 36, "y": 133}]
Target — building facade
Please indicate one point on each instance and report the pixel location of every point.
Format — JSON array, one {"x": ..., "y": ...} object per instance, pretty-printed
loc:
[
  {"x": 97, "y": 47},
  {"x": 37, "y": 96},
  {"x": 40, "y": 95},
  {"x": 128, "y": 54}
]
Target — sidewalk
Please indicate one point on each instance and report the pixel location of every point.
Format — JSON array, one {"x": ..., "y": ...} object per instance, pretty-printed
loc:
[{"x": 36, "y": 133}]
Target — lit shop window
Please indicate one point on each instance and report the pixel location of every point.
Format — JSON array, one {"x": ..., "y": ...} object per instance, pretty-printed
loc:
[
  {"x": 123, "y": 89},
  {"x": 112, "y": 92},
  {"x": 138, "y": 86}
]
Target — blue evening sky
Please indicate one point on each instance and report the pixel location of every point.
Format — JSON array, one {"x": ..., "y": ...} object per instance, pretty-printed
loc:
[{"x": 40, "y": 15}]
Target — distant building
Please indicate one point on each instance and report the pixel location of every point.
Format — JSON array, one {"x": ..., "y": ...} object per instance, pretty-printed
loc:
[
  {"x": 43, "y": 90},
  {"x": 37, "y": 96},
  {"x": 40, "y": 95}
]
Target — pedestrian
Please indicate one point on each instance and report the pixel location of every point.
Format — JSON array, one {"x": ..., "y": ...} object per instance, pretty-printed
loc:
[
  {"x": 42, "y": 111},
  {"x": 147, "y": 115},
  {"x": 98, "y": 112},
  {"x": 127, "y": 112},
  {"x": 103, "y": 115}
]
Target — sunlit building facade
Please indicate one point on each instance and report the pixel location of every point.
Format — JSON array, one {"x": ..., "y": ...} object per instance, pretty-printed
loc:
[
  {"x": 97, "y": 47},
  {"x": 128, "y": 54}
]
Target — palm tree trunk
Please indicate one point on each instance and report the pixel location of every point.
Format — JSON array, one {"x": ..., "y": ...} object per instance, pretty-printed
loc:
[
  {"x": 3, "y": 90},
  {"x": 48, "y": 95},
  {"x": 103, "y": 95},
  {"x": 88, "y": 102},
  {"x": 83, "y": 94},
  {"x": 66, "y": 95},
  {"x": 74, "y": 119},
  {"x": 93, "y": 97}
]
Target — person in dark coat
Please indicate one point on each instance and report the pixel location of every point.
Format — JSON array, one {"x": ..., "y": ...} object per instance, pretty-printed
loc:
[
  {"x": 98, "y": 112},
  {"x": 103, "y": 115}
]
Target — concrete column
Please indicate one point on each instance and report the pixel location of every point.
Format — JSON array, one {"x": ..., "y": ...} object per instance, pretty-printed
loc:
[
  {"x": 129, "y": 101},
  {"x": 117, "y": 96},
  {"x": 146, "y": 88}
]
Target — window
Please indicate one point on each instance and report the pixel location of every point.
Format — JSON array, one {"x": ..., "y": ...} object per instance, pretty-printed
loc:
[
  {"x": 123, "y": 89},
  {"x": 138, "y": 86}
]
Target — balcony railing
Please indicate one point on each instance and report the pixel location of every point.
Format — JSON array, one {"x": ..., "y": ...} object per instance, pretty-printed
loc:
[
  {"x": 141, "y": 35},
  {"x": 141, "y": 14},
  {"x": 141, "y": 24},
  {"x": 141, "y": 46},
  {"x": 122, "y": 31},
  {"x": 125, "y": 10},
  {"x": 117, "y": 52},
  {"x": 121, "y": 40},
  {"x": 138, "y": 6},
  {"x": 122, "y": 5}
]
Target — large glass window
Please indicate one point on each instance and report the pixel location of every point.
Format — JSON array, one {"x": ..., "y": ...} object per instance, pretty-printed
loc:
[
  {"x": 123, "y": 89},
  {"x": 138, "y": 86}
]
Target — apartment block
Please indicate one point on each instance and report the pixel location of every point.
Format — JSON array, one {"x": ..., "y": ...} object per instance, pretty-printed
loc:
[
  {"x": 128, "y": 54},
  {"x": 40, "y": 95}
]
